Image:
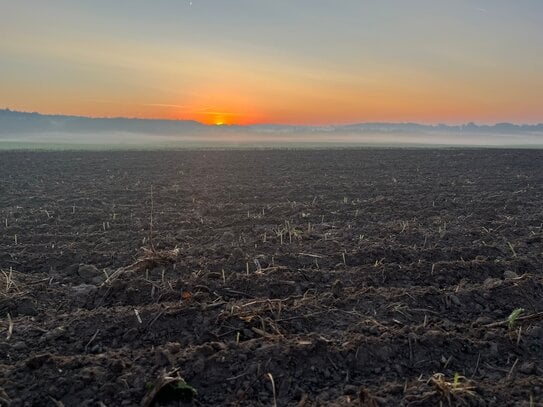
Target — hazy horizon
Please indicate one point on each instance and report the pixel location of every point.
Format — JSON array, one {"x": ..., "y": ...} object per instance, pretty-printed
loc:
[
  {"x": 36, "y": 129},
  {"x": 213, "y": 125}
]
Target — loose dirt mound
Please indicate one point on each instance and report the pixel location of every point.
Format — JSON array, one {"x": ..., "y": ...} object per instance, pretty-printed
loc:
[{"x": 300, "y": 278}]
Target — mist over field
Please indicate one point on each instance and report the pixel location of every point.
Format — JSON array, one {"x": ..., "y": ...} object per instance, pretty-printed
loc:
[
  {"x": 20, "y": 130},
  {"x": 250, "y": 139}
]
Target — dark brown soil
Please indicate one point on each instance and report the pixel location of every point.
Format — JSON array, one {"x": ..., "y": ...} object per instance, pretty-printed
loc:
[{"x": 398, "y": 270}]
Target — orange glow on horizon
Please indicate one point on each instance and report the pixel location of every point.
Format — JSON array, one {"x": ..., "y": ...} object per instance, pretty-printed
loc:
[
  {"x": 219, "y": 106},
  {"x": 315, "y": 114},
  {"x": 300, "y": 104},
  {"x": 235, "y": 96}
]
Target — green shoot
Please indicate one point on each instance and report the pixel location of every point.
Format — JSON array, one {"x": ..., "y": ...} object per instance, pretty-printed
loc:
[
  {"x": 512, "y": 319},
  {"x": 455, "y": 380}
]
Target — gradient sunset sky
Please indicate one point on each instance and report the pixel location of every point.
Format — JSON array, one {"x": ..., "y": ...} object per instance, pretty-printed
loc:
[{"x": 276, "y": 61}]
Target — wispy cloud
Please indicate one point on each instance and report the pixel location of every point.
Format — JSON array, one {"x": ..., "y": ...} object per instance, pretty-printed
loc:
[
  {"x": 212, "y": 113},
  {"x": 165, "y": 105},
  {"x": 112, "y": 102}
]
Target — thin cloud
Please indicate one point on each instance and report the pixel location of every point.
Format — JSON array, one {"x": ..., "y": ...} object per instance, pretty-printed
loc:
[
  {"x": 165, "y": 105},
  {"x": 222, "y": 114},
  {"x": 111, "y": 102}
]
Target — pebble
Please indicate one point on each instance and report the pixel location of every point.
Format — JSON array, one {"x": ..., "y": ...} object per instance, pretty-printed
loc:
[
  {"x": 494, "y": 349},
  {"x": 508, "y": 274},
  {"x": 527, "y": 368},
  {"x": 173, "y": 347},
  {"x": 84, "y": 289},
  {"x": 19, "y": 345},
  {"x": 490, "y": 282},
  {"x": 454, "y": 299},
  {"x": 54, "y": 334},
  {"x": 227, "y": 237},
  {"x": 88, "y": 271}
]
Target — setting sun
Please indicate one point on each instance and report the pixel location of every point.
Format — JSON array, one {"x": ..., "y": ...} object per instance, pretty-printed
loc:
[{"x": 213, "y": 117}]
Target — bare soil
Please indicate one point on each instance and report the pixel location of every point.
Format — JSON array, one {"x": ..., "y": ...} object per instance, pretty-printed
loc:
[{"x": 332, "y": 278}]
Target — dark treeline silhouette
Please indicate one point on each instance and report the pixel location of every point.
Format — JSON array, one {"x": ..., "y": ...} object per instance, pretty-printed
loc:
[{"x": 12, "y": 122}]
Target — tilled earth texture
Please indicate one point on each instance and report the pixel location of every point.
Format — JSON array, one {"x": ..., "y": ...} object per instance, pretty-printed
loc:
[{"x": 375, "y": 277}]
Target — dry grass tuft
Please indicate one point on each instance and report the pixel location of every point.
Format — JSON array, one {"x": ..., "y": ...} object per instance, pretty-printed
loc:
[
  {"x": 8, "y": 286},
  {"x": 149, "y": 259},
  {"x": 457, "y": 390},
  {"x": 460, "y": 391}
]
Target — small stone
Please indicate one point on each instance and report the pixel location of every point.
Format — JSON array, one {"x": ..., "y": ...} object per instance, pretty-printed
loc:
[
  {"x": 19, "y": 345},
  {"x": 491, "y": 282},
  {"x": 508, "y": 274},
  {"x": 527, "y": 368},
  {"x": 227, "y": 237},
  {"x": 218, "y": 346},
  {"x": 173, "y": 347},
  {"x": 454, "y": 299},
  {"x": 84, "y": 290},
  {"x": 53, "y": 334},
  {"x": 89, "y": 273},
  {"x": 493, "y": 349}
]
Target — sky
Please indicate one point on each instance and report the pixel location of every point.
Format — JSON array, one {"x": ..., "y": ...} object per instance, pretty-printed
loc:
[{"x": 307, "y": 62}]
